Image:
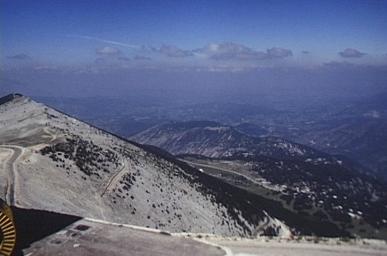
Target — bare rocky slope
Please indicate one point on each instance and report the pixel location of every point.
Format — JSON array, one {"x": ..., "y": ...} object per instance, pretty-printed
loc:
[{"x": 51, "y": 161}]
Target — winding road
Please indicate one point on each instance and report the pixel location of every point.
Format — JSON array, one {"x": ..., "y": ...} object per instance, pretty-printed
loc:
[
  {"x": 114, "y": 178},
  {"x": 258, "y": 181},
  {"x": 223, "y": 170},
  {"x": 10, "y": 164}
]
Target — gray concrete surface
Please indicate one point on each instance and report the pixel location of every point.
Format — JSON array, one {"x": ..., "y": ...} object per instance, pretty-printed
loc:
[
  {"x": 306, "y": 246},
  {"x": 116, "y": 240}
]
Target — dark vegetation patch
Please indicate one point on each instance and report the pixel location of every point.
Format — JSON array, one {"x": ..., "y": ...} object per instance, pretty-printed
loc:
[
  {"x": 88, "y": 157},
  {"x": 334, "y": 188}
]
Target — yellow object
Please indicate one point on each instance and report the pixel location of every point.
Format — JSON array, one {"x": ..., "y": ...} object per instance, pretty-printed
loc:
[{"x": 7, "y": 230}]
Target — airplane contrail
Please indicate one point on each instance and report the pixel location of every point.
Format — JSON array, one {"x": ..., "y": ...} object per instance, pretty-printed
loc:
[{"x": 105, "y": 41}]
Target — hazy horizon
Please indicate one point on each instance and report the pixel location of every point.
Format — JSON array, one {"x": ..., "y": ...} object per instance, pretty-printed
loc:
[{"x": 194, "y": 51}]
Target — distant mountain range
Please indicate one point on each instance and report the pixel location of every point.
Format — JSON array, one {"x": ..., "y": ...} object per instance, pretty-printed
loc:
[
  {"x": 308, "y": 181},
  {"x": 212, "y": 139},
  {"x": 363, "y": 139}
]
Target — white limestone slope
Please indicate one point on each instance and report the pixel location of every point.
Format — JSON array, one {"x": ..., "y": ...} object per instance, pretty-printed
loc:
[{"x": 161, "y": 195}]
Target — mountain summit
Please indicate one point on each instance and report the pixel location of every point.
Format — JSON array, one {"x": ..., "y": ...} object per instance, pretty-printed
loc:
[{"x": 52, "y": 161}]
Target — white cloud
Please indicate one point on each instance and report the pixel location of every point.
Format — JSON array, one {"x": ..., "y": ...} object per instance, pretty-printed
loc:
[{"x": 234, "y": 51}]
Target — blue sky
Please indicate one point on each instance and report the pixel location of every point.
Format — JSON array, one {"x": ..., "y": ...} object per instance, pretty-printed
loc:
[
  {"x": 69, "y": 32},
  {"x": 74, "y": 47}
]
